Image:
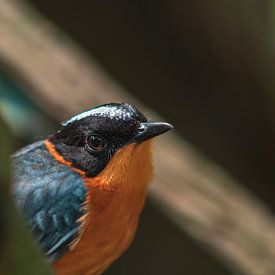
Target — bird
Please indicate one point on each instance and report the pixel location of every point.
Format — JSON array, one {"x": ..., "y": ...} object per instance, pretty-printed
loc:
[{"x": 82, "y": 189}]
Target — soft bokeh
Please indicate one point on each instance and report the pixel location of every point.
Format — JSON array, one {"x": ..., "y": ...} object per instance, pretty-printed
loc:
[{"x": 205, "y": 66}]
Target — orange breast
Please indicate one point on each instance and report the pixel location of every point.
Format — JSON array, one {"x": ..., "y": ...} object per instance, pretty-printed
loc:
[{"x": 115, "y": 199}]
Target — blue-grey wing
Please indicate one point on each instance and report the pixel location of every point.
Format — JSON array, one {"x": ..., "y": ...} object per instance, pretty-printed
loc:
[{"x": 50, "y": 196}]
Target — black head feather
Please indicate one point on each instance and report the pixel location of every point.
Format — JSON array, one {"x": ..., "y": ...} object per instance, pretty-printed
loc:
[{"x": 79, "y": 140}]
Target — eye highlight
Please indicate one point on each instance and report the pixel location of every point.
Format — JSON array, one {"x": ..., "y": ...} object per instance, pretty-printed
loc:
[{"x": 95, "y": 143}]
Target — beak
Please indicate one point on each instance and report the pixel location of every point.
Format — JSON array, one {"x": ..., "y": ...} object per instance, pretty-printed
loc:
[{"x": 149, "y": 130}]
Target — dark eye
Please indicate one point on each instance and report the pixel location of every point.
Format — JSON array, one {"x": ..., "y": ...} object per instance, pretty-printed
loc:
[
  {"x": 141, "y": 129},
  {"x": 95, "y": 143}
]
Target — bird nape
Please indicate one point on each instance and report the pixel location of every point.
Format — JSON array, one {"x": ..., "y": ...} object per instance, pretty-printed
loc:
[{"x": 83, "y": 188}]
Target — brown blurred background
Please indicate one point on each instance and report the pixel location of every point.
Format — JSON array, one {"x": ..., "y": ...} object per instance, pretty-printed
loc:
[{"x": 208, "y": 68}]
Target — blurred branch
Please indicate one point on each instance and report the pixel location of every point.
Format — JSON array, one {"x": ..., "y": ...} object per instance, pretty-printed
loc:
[
  {"x": 18, "y": 254},
  {"x": 195, "y": 193}
]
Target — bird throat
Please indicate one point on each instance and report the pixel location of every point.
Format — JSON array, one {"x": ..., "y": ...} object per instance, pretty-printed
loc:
[{"x": 130, "y": 167}]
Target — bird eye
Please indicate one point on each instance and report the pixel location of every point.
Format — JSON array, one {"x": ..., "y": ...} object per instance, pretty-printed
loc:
[
  {"x": 95, "y": 143},
  {"x": 141, "y": 129}
]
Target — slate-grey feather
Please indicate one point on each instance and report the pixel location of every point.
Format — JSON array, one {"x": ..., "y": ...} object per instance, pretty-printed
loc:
[{"x": 51, "y": 197}]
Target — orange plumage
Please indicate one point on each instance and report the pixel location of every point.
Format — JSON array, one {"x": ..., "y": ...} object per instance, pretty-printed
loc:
[{"x": 114, "y": 202}]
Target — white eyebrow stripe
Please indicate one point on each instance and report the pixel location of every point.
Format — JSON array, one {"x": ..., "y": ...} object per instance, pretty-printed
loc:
[{"x": 104, "y": 111}]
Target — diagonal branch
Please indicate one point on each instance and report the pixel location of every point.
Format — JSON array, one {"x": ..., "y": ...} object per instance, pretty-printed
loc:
[{"x": 198, "y": 195}]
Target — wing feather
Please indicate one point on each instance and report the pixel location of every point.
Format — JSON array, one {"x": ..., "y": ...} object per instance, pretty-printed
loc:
[{"x": 50, "y": 196}]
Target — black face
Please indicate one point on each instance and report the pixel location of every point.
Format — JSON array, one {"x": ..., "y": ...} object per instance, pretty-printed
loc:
[{"x": 90, "y": 139}]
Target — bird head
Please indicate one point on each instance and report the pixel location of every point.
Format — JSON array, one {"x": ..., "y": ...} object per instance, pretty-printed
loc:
[{"x": 91, "y": 139}]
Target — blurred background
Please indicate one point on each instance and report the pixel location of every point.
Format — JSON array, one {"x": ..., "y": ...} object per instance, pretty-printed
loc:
[{"x": 205, "y": 66}]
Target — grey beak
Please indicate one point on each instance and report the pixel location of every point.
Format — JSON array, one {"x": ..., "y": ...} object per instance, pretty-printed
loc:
[{"x": 149, "y": 130}]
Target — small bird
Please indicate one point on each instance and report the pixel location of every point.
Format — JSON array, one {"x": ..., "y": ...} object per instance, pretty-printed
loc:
[{"x": 83, "y": 188}]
